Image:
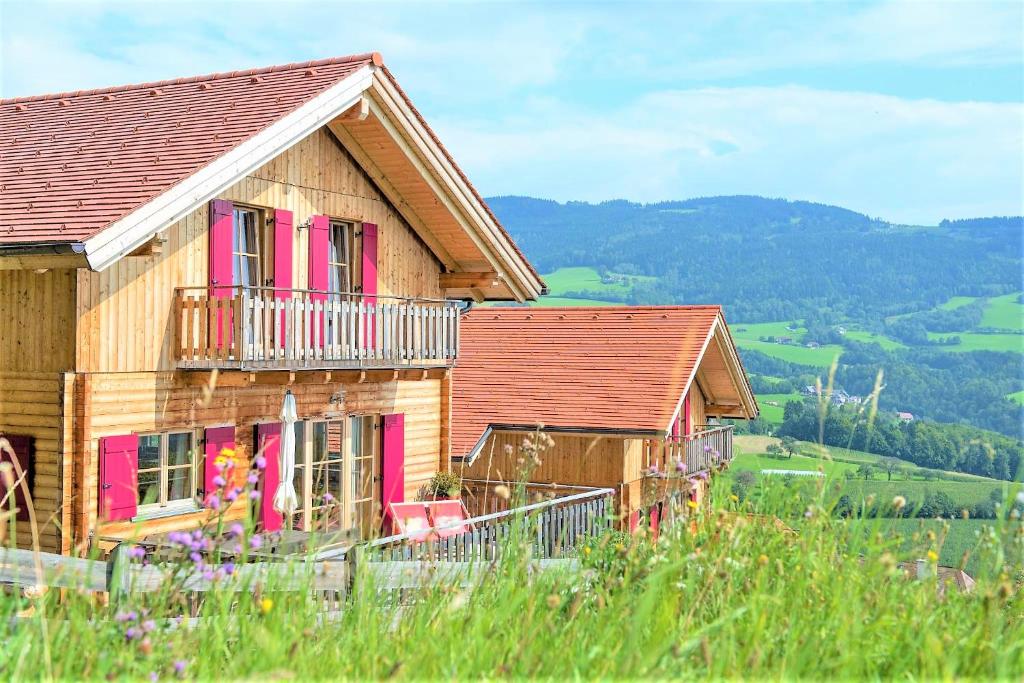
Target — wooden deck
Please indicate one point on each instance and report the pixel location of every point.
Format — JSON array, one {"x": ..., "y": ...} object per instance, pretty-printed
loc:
[
  {"x": 703, "y": 451},
  {"x": 295, "y": 329}
]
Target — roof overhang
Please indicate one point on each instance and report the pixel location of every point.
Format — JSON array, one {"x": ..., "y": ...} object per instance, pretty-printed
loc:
[
  {"x": 720, "y": 375},
  {"x": 377, "y": 124}
]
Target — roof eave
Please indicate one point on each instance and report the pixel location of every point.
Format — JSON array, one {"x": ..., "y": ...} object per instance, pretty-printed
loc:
[{"x": 126, "y": 235}]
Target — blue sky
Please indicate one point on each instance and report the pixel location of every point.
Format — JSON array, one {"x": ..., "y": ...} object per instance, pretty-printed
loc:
[{"x": 908, "y": 111}]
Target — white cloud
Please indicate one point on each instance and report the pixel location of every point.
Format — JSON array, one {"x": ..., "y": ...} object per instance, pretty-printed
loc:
[{"x": 904, "y": 160}]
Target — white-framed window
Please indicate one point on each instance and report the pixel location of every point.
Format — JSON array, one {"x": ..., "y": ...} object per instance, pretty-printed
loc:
[
  {"x": 167, "y": 470},
  {"x": 252, "y": 248},
  {"x": 335, "y": 475},
  {"x": 341, "y": 266}
]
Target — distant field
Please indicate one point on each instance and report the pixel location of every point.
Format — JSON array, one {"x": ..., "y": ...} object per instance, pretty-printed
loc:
[
  {"x": 1017, "y": 396},
  {"x": 870, "y": 338},
  {"x": 820, "y": 357},
  {"x": 578, "y": 279},
  {"x": 756, "y": 463},
  {"x": 972, "y": 341},
  {"x": 1004, "y": 312},
  {"x": 754, "y": 331},
  {"x": 773, "y": 414},
  {"x": 957, "y": 302}
]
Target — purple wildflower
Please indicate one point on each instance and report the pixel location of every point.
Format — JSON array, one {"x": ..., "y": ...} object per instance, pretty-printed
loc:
[
  {"x": 255, "y": 495},
  {"x": 261, "y": 462},
  {"x": 126, "y": 616},
  {"x": 235, "y": 530},
  {"x": 231, "y": 496},
  {"x": 177, "y": 537},
  {"x": 213, "y": 503},
  {"x": 707, "y": 449},
  {"x": 208, "y": 575},
  {"x": 219, "y": 481},
  {"x": 255, "y": 542},
  {"x": 148, "y": 625},
  {"x": 253, "y": 479},
  {"x": 229, "y": 568},
  {"x": 195, "y": 557},
  {"x": 179, "y": 667},
  {"x": 328, "y": 498},
  {"x": 132, "y": 633},
  {"x": 680, "y": 467},
  {"x": 137, "y": 552},
  {"x": 154, "y": 676}
]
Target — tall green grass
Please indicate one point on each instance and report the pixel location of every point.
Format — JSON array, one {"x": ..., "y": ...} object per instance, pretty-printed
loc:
[{"x": 730, "y": 594}]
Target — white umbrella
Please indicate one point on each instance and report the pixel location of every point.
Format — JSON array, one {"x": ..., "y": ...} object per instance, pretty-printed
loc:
[{"x": 285, "y": 500}]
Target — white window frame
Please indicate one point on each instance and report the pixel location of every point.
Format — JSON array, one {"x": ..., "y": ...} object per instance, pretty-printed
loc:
[
  {"x": 163, "y": 504},
  {"x": 303, "y": 518}
]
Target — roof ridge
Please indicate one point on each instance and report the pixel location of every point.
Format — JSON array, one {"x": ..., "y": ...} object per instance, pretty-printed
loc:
[{"x": 373, "y": 57}]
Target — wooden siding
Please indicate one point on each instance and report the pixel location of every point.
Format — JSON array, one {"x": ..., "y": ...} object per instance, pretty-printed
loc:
[
  {"x": 125, "y": 312},
  {"x": 580, "y": 460},
  {"x": 34, "y": 404},
  {"x": 122, "y": 403},
  {"x": 698, "y": 414},
  {"x": 37, "y": 320}
]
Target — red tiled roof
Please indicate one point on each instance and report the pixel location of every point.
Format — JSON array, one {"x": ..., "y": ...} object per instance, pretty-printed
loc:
[
  {"x": 622, "y": 368},
  {"x": 72, "y": 163}
]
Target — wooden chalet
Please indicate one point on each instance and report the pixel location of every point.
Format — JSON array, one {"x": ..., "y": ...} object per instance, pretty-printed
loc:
[
  {"x": 175, "y": 256},
  {"x": 630, "y": 396}
]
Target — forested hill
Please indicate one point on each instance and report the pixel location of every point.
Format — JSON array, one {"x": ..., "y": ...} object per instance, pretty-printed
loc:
[{"x": 771, "y": 259}]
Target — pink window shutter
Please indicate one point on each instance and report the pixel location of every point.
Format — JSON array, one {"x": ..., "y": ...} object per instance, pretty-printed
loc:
[
  {"x": 283, "y": 241},
  {"x": 217, "y": 439},
  {"x": 687, "y": 427},
  {"x": 22, "y": 446},
  {"x": 268, "y": 444},
  {"x": 392, "y": 465},
  {"x": 221, "y": 269},
  {"x": 319, "y": 247},
  {"x": 119, "y": 477},
  {"x": 370, "y": 278}
]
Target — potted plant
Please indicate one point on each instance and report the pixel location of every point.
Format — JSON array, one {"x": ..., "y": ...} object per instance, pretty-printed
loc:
[{"x": 444, "y": 486}]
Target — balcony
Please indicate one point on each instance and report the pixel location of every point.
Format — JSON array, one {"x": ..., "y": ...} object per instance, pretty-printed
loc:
[
  {"x": 706, "y": 450},
  {"x": 262, "y": 328}
]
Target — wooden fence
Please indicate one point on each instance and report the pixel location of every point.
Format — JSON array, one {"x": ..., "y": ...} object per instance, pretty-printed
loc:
[
  {"x": 265, "y": 328},
  {"x": 554, "y": 529}
]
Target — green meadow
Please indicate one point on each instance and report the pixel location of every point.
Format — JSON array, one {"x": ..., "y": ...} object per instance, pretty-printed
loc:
[
  {"x": 774, "y": 413},
  {"x": 1004, "y": 312},
  {"x": 975, "y": 341},
  {"x": 821, "y": 357},
  {"x": 1017, "y": 396},
  {"x": 871, "y": 338}
]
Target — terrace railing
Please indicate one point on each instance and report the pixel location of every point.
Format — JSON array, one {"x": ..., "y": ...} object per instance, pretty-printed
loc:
[
  {"x": 555, "y": 527},
  {"x": 702, "y": 451},
  {"x": 263, "y": 328}
]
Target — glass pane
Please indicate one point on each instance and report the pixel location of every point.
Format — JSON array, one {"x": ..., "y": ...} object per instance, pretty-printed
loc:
[
  {"x": 297, "y": 482},
  {"x": 149, "y": 452},
  {"x": 149, "y": 487},
  {"x": 327, "y": 478},
  {"x": 355, "y": 426},
  {"x": 319, "y": 441},
  {"x": 179, "y": 484},
  {"x": 179, "y": 449}
]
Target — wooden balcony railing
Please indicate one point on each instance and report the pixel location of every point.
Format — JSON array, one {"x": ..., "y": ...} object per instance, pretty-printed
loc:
[
  {"x": 701, "y": 451},
  {"x": 262, "y": 328}
]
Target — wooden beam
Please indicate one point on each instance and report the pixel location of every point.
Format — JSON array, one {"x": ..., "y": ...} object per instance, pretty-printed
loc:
[
  {"x": 358, "y": 111},
  {"x": 153, "y": 247},
  {"x": 469, "y": 280},
  {"x": 43, "y": 261}
]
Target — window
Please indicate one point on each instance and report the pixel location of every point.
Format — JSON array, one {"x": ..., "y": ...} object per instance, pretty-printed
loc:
[
  {"x": 340, "y": 264},
  {"x": 360, "y": 487},
  {"x": 166, "y": 469},
  {"x": 339, "y": 458},
  {"x": 252, "y": 249}
]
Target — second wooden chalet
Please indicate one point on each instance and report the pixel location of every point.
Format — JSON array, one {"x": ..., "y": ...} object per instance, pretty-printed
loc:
[
  {"x": 176, "y": 256},
  {"x": 628, "y": 395}
]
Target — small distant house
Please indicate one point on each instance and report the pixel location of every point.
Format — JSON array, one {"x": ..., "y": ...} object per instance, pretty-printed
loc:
[
  {"x": 812, "y": 344},
  {"x": 905, "y": 417},
  {"x": 627, "y": 394},
  {"x": 809, "y": 390},
  {"x": 783, "y": 340},
  {"x": 841, "y": 330}
]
